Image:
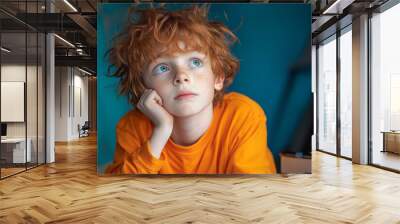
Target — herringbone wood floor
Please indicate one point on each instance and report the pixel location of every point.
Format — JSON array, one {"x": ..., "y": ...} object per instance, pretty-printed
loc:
[{"x": 70, "y": 191}]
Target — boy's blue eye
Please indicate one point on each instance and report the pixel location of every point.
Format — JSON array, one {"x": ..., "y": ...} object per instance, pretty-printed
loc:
[
  {"x": 162, "y": 68},
  {"x": 195, "y": 63}
]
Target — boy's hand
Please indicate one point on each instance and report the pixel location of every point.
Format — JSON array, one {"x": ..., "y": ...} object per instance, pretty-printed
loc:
[{"x": 151, "y": 105}]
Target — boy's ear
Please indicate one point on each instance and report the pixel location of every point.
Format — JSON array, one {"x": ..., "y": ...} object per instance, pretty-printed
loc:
[{"x": 219, "y": 83}]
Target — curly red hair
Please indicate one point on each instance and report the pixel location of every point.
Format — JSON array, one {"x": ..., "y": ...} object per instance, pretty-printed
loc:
[{"x": 157, "y": 32}]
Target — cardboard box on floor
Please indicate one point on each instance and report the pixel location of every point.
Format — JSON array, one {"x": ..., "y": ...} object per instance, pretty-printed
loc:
[{"x": 290, "y": 163}]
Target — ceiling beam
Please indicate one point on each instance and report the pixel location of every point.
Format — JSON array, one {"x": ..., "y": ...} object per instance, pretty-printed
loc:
[{"x": 82, "y": 61}]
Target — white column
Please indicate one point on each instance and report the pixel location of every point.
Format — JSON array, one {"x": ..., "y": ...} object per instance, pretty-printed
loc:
[
  {"x": 360, "y": 90},
  {"x": 314, "y": 91},
  {"x": 50, "y": 93}
]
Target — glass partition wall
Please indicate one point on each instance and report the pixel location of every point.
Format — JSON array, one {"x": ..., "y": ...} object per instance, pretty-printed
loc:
[
  {"x": 13, "y": 89},
  {"x": 22, "y": 79}
]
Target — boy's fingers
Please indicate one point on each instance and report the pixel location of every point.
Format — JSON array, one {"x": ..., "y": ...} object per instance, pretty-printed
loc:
[
  {"x": 154, "y": 95},
  {"x": 158, "y": 99}
]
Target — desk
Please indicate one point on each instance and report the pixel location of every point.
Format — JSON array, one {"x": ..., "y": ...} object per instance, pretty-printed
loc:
[
  {"x": 391, "y": 141},
  {"x": 13, "y": 150}
]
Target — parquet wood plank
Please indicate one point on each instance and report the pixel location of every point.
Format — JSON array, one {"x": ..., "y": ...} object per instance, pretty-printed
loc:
[{"x": 69, "y": 191}]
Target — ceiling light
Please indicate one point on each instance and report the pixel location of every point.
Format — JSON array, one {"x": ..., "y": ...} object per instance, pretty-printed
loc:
[
  {"x": 64, "y": 40},
  {"x": 331, "y": 7},
  {"x": 84, "y": 71},
  {"x": 337, "y": 7},
  {"x": 71, "y": 6},
  {"x": 5, "y": 50}
]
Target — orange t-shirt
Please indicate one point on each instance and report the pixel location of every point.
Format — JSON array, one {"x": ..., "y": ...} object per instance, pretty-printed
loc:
[{"x": 235, "y": 142}]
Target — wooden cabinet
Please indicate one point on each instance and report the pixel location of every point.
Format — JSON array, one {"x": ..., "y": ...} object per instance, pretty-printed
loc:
[{"x": 391, "y": 141}]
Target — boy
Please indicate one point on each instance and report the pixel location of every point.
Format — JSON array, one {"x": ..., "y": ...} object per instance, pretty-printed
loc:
[{"x": 175, "y": 66}]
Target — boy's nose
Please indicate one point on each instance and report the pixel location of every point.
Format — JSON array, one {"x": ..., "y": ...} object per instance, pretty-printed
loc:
[{"x": 181, "y": 78}]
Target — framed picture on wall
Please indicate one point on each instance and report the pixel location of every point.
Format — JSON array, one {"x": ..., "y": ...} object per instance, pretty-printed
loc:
[
  {"x": 12, "y": 101},
  {"x": 203, "y": 88}
]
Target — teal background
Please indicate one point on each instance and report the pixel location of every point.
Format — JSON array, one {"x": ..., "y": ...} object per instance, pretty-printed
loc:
[{"x": 273, "y": 37}]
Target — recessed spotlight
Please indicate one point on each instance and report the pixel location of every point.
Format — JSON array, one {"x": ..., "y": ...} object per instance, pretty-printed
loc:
[
  {"x": 64, "y": 40},
  {"x": 84, "y": 71},
  {"x": 70, "y": 5},
  {"x": 5, "y": 50}
]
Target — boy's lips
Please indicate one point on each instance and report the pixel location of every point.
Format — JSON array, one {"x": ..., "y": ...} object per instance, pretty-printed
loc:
[{"x": 185, "y": 95}]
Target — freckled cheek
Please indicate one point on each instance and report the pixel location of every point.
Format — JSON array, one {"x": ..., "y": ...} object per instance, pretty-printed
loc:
[
  {"x": 162, "y": 88},
  {"x": 205, "y": 84}
]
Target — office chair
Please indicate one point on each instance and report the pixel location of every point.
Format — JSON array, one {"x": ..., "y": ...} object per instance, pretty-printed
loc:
[{"x": 84, "y": 130}]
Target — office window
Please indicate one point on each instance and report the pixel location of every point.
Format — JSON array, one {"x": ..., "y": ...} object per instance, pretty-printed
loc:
[
  {"x": 327, "y": 95},
  {"x": 346, "y": 92},
  {"x": 385, "y": 88}
]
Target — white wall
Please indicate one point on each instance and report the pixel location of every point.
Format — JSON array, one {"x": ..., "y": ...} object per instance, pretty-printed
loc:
[
  {"x": 71, "y": 94},
  {"x": 61, "y": 103}
]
